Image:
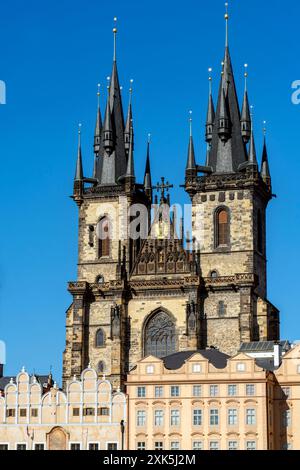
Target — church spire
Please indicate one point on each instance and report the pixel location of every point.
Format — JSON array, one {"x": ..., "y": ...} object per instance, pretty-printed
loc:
[
  {"x": 79, "y": 167},
  {"x": 191, "y": 162},
  {"x": 252, "y": 160},
  {"x": 130, "y": 165},
  {"x": 107, "y": 128},
  {"x": 98, "y": 126},
  {"x": 129, "y": 120},
  {"x": 245, "y": 118},
  {"x": 228, "y": 150},
  {"x": 147, "y": 177},
  {"x": 265, "y": 169},
  {"x": 210, "y": 119}
]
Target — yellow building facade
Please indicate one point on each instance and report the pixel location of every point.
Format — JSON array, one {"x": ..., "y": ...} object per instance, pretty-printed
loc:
[{"x": 88, "y": 416}]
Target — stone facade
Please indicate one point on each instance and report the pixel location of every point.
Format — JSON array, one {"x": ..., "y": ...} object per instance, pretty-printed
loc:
[{"x": 87, "y": 416}]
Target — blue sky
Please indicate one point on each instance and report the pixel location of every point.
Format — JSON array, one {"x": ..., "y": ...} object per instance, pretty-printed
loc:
[{"x": 52, "y": 55}]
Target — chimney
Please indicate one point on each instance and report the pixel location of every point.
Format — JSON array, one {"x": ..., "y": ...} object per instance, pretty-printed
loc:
[{"x": 277, "y": 354}]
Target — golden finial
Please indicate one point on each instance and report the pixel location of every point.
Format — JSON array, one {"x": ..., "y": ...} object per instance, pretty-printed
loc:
[
  {"x": 108, "y": 84},
  {"x": 79, "y": 128},
  {"x": 98, "y": 93},
  {"x": 226, "y": 19},
  {"x": 246, "y": 75},
  {"x": 265, "y": 128},
  {"x": 191, "y": 123},
  {"x": 115, "y": 30},
  {"x": 149, "y": 138},
  {"x": 210, "y": 79}
]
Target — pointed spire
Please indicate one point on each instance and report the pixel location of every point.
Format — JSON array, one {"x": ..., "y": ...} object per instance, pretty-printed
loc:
[
  {"x": 79, "y": 167},
  {"x": 265, "y": 169},
  {"x": 223, "y": 121},
  {"x": 129, "y": 120},
  {"x": 98, "y": 127},
  {"x": 191, "y": 162},
  {"x": 147, "y": 177},
  {"x": 245, "y": 118},
  {"x": 252, "y": 160},
  {"x": 107, "y": 128},
  {"x": 210, "y": 119},
  {"x": 130, "y": 165}
]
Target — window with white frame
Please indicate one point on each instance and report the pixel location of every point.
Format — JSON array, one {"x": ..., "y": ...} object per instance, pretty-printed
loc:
[
  {"x": 197, "y": 368},
  {"x": 197, "y": 390},
  {"x": 141, "y": 392},
  {"x": 251, "y": 445},
  {"x": 214, "y": 445},
  {"x": 175, "y": 417},
  {"x": 141, "y": 445},
  {"x": 21, "y": 446},
  {"x": 214, "y": 390},
  {"x": 158, "y": 445},
  {"x": 232, "y": 445},
  {"x": 158, "y": 418},
  {"x": 39, "y": 447},
  {"x": 159, "y": 392},
  {"x": 197, "y": 417},
  {"x": 241, "y": 367},
  {"x": 232, "y": 417},
  {"x": 250, "y": 416},
  {"x": 141, "y": 418},
  {"x": 112, "y": 446},
  {"x": 3, "y": 446},
  {"x": 150, "y": 369},
  {"x": 232, "y": 390},
  {"x": 93, "y": 446},
  {"x": 214, "y": 417},
  {"x": 175, "y": 391},
  {"x": 175, "y": 445},
  {"x": 287, "y": 418},
  {"x": 197, "y": 445},
  {"x": 250, "y": 390}
]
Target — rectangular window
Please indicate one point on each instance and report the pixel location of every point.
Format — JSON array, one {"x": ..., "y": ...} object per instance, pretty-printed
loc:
[
  {"x": 141, "y": 446},
  {"x": 214, "y": 390},
  {"x": 175, "y": 445},
  {"x": 196, "y": 368},
  {"x": 251, "y": 445},
  {"x": 250, "y": 417},
  {"x": 214, "y": 445},
  {"x": 175, "y": 391},
  {"x": 232, "y": 417},
  {"x": 23, "y": 412},
  {"x": 141, "y": 392},
  {"x": 241, "y": 367},
  {"x": 39, "y": 447},
  {"x": 76, "y": 411},
  {"x": 232, "y": 390},
  {"x": 34, "y": 412},
  {"x": 232, "y": 445},
  {"x": 89, "y": 412},
  {"x": 93, "y": 446},
  {"x": 214, "y": 417},
  {"x": 103, "y": 411},
  {"x": 175, "y": 417},
  {"x": 197, "y": 417},
  {"x": 10, "y": 413},
  {"x": 197, "y": 445},
  {"x": 158, "y": 445},
  {"x": 158, "y": 418},
  {"x": 141, "y": 418},
  {"x": 3, "y": 446},
  {"x": 21, "y": 447},
  {"x": 287, "y": 418},
  {"x": 112, "y": 446},
  {"x": 159, "y": 392},
  {"x": 250, "y": 390},
  {"x": 197, "y": 391}
]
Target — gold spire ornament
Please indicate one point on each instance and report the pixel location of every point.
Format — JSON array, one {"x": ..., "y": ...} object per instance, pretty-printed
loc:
[
  {"x": 191, "y": 123},
  {"x": 98, "y": 94},
  {"x": 115, "y": 31},
  {"x": 226, "y": 16},
  {"x": 149, "y": 138},
  {"x": 210, "y": 80},
  {"x": 246, "y": 75},
  {"x": 265, "y": 128}
]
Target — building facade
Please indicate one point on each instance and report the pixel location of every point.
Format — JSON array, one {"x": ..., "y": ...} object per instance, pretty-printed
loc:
[
  {"x": 88, "y": 416},
  {"x": 154, "y": 295},
  {"x": 205, "y": 400}
]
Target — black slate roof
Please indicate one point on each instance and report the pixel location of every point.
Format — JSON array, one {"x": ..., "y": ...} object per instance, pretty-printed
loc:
[{"x": 215, "y": 357}]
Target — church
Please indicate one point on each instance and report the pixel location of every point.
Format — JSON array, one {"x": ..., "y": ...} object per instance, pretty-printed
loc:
[{"x": 169, "y": 291}]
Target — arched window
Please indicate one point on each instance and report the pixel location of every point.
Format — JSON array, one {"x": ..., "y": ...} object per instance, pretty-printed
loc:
[
  {"x": 214, "y": 275},
  {"x": 104, "y": 238},
  {"x": 100, "y": 339},
  {"x": 101, "y": 367},
  {"x": 160, "y": 336},
  {"x": 222, "y": 228},
  {"x": 259, "y": 232}
]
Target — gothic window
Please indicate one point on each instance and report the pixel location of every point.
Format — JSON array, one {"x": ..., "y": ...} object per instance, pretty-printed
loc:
[
  {"x": 103, "y": 233},
  {"x": 259, "y": 232},
  {"x": 101, "y": 367},
  {"x": 214, "y": 275},
  {"x": 160, "y": 336},
  {"x": 100, "y": 339},
  {"x": 100, "y": 280},
  {"x": 222, "y": 228},
  {"x": 221, "y": 309}
]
